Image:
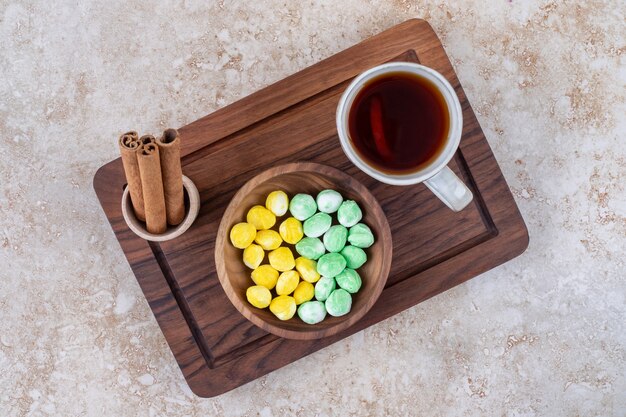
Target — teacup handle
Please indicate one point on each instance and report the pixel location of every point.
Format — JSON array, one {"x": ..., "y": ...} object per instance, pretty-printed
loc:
[{"x": 450, "y": 189}]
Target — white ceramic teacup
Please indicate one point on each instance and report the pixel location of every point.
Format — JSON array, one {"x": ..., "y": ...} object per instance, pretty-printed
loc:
[{"x": 435, "y": 175}]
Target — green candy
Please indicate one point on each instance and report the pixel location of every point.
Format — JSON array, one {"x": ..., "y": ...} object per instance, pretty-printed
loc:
[
  {"x": 330, "y": 265},
  {"x": 310, "y": 247},
  {"x": 355, "y": 257},
  {"x": 312, "y": 312},
  {"x": 339, "y": 303},
  {"x": 349, "y": 213},
  {"x": 328, "y": 201},
  {"x": 317, "y": 225},
  {"x": 349, "y": 280},
  {"x": 302, "y": 206},
  {"x": 324, "y": 287},
  {"x": 335, "y": 238},
  {"x": 360, "y": 236}
]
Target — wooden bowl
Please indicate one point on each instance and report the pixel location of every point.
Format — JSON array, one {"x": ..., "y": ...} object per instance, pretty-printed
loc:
[
  {"x": 294, "y": 178},
  {"x": 192, "y": 207}
]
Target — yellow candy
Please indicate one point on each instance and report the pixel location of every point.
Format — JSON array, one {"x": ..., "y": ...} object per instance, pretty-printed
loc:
[
  {"x": 265, "y": 276},
  {"x": 242, "y": 235},
  {"x": 307, "y": 269},
  {"x": 277, "y": 202},
  {"x": 287, "y": 282},
  {"x": 253, "y": 256},
  {"x": 261, "y": 218},
  {"x": 281, "y": 259},
  {"x": 268, "y": 239},
  {"x": 303, "y": 292},
  {"x": 291, "y": 230},
  {"x": 259, "y": 296},
  {"x": 283, "y": 307}
]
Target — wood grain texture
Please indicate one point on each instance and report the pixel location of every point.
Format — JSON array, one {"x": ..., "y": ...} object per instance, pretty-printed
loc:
[
  {"x": 293, "y": 120},
  {"x": 294, "y": 178}
]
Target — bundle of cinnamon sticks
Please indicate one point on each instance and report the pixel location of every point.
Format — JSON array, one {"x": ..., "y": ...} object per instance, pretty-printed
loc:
[{"x": 155, "y": 178}]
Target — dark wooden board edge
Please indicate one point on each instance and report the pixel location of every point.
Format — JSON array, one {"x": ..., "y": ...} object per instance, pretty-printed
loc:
[{"x": 511, "y": 231}]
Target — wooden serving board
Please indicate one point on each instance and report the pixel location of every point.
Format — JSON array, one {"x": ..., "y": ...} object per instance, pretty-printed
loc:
[{"x": 434, "y": 249}]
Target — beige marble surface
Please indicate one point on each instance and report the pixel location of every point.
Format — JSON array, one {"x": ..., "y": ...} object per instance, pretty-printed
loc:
[{"x": 543, "y": 335}]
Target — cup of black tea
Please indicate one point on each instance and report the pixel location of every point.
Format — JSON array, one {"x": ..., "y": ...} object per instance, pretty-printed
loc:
[{"x": 401, "y": 123}]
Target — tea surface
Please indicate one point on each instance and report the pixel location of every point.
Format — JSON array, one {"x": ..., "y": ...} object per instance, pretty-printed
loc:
[{"x": 399, "y": 122}]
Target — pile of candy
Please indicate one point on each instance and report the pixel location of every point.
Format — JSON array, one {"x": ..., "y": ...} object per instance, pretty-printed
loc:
[{"x": 329, "y": 253}]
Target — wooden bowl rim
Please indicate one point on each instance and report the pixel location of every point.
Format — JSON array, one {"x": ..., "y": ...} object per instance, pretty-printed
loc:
[
  {"x": 247, "y": 310},
  {"x": 138, "y": 227}
]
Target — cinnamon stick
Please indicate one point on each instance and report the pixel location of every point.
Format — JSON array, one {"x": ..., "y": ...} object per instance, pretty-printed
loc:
[
  {"x": 169, "y": 152},
  {"x": 128, "y": 144},
  {"x": 146, "y": 139},
  {"x": 152, "y": 186}
]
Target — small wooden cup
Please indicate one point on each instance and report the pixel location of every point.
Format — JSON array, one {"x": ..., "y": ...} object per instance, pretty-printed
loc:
[
  {"x": 294, "y": 178},
  {"x": 192, "y": 206}
]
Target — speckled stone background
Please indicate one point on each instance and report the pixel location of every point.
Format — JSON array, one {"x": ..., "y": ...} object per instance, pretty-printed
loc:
[{"x": 543, "y": 335}]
